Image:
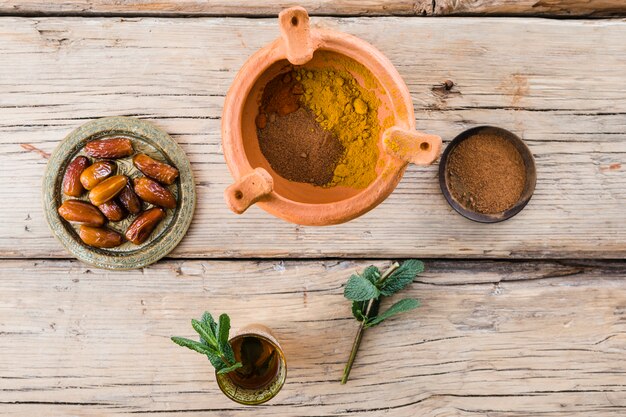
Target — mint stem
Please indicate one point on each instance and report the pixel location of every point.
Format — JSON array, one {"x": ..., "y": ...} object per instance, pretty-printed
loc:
[
  {"x": 226, "y": 361},
  {"x": 359, "y": 334}
]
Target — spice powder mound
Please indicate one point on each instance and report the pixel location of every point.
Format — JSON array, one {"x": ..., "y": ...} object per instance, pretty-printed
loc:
[
  {"x": 486, "y": 174},
  {"x": 320, "y": 126},
  {"x": 299, "y": 149},
  {"x": 344, "y": 107},
  {"x": 292, "y": 141}
]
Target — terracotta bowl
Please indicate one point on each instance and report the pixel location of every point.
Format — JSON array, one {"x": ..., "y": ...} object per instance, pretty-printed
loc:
[{"x": 301, "y": 203}]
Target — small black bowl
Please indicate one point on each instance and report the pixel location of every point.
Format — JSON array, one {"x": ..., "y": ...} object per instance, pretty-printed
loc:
[{"x": 529, "y": 163}]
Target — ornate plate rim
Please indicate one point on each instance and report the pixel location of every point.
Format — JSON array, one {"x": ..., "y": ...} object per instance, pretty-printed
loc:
[{"x": 168, "y": 240}]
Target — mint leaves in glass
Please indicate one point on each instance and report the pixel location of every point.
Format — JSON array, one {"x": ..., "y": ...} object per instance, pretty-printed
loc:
[{"x": 250, "y": 367}]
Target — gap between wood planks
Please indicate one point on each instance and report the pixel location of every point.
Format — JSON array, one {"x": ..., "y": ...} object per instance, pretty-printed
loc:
[
  {"x": 570, "y": 267},
  {"x": 174, "y": 15}
]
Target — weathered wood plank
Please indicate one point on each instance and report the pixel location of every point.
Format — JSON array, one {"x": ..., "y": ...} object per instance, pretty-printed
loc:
[
  {"x": 492, "y": 338},
  {"x": 555, "y": 83},
  {"x": 562, "y": 8}
]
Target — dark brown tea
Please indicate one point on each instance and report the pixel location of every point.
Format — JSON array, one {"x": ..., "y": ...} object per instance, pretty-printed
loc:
[{"x": 259, "y": 359}]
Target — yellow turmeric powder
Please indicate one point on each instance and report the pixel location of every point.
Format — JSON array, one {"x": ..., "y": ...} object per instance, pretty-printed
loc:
[{"x": 350, "y": 112}]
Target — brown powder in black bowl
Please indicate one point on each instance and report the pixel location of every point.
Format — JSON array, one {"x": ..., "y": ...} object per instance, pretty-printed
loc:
[{"x": 486, "y": 173}]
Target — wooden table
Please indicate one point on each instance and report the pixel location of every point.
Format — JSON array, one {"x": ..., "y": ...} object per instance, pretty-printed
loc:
[{"x": 523, "y": 318}]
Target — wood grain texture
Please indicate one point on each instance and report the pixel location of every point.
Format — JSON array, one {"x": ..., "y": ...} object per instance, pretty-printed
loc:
[
  {"x": 557, "y": 84},
  {"x": 492, "y": 338},
  {"x": 561, "y": 8}
]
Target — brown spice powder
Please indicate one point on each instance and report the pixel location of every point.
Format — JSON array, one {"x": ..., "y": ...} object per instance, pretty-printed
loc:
[
  {"x": 299, "y": 149},
  {"x": 486, "y": 174},
  {"x": 290, "y": 138},
  {"x": 281, "y": 95}
]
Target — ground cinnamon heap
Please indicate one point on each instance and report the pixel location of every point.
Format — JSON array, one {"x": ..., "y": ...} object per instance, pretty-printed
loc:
[
  {"x": 486, "y": 174},
  {"x": 298, "y": 149},
  {"x": 294, "y": 144}
]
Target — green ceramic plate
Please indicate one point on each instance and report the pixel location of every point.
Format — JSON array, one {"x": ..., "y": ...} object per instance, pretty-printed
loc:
[{"x": 147, "y": 139}]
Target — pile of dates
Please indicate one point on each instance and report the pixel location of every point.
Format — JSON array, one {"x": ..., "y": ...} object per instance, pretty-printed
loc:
[{"x": 114, "y": 197}]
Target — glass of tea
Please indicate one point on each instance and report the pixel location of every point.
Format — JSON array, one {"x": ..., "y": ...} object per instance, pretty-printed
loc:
[{"x": 264, "y": 368}]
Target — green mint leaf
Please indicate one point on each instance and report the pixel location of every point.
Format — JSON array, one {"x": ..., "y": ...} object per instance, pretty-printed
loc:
[
  {"x": 213, "y": 342},
  {"x": 360, "y": 289},
  {"x": 359, "y": 307},
  {"x": 227, "y": 351},
  {"x": 402, "y": 277},
  {"x": 216, "y": 361},
  {"x": 207, "y": 319},
  {"x": 371, "y": 273},
  {"x": 401, "y": 306},
  {"x": 205, "y": 333},
  {"x": 193, "y": 345},
  {"x": 223, "y": 329},
  {"x": 357, "y": 310},
  {"x": 230, "y": 368}
]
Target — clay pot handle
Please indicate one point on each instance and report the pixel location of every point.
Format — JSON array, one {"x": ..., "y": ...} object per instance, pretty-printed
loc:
[
  {"x": 412, "y": 146},
  {"x": 248, "y": 190},
  {"x": 296, "y": 34}
]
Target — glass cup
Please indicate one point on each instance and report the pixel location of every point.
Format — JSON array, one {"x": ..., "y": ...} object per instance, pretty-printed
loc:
[{"x": 264, "y": 367}]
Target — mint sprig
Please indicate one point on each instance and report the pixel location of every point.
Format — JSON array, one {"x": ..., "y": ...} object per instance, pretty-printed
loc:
[
  {"x": 366, "y": 290},
  {"x": 213, "y": 342}
]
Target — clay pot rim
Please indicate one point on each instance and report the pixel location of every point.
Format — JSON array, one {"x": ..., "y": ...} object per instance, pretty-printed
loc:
[
  {"x": 400, "y": 105},
  {"x": 529, "y": 186}
]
